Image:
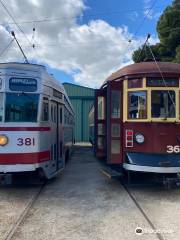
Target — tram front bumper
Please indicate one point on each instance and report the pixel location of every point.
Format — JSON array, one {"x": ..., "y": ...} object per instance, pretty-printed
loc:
[
  {"x": 18, "y": 168},
  {"x": 157, "y": 163}
]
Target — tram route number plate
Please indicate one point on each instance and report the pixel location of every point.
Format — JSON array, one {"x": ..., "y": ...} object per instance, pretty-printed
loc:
[
  {"x": 173, "y": 149},
  {"x": 26, "y": 142}
]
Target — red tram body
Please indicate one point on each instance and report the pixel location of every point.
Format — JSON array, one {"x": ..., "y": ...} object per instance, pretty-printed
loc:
[
  {"x": 135, "y": 122},
  {"x": 36, "y": 121}
]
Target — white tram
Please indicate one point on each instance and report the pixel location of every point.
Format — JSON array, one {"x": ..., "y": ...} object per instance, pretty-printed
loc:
[{"x": 36, "y": 121}]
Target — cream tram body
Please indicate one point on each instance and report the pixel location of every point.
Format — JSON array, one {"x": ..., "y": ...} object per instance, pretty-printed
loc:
[{"x": 36, "y": 120}]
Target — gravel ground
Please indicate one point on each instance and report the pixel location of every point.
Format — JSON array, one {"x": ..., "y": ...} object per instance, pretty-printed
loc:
[
  {"x": 82, "y": 204},
  {"x": 163, "y": 207},
  {"x": 12, "y": 201}
]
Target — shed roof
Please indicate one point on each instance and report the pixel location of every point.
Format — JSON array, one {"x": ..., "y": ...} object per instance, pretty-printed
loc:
[{"x": 78, "y": 91}]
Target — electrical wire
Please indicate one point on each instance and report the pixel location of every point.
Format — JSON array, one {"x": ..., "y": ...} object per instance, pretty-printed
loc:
[
  {"x": 145, "y": 17},
  {"x": 10, "y": 15},
  {"x": 84, "y": 16},
  {"x": 3, "y": 51},
  {"x": 159, "y": 69}
]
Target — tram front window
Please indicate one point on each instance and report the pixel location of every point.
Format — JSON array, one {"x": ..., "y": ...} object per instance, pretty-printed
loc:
[
  {"x": 163, "y": 104},
  {"x": 137, "y": 107},
  {"x": 21, "y": 107}
]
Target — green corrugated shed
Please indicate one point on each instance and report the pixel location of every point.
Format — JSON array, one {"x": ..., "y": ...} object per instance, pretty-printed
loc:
[{"x": 82, "y": 99}]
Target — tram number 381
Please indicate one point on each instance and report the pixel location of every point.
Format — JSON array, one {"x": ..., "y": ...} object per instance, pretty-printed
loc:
[
  {"x": 26, "y": 142},
  {"x": 173, "y": 149}
]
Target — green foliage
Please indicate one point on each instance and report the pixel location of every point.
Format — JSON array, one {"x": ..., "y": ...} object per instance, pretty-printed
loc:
[{"x": 168, "y": 28}]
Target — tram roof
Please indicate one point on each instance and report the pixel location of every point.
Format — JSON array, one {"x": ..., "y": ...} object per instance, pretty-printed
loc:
[
  {"x": 144, "y": 68},
  {"x": 15, "y": 64}
]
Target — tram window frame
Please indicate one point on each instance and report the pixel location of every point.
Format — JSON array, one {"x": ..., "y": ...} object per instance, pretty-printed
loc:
[
  {"x": 101, "y": 129},
  {"x": 115, "y": 146},
  {"x": 115, "y": 112},
  {"x": 135, "y": 83},
  {"x": 52, "y": 115},
  {"x": 60, "y": 115},
  {"x": 101, "y": 110},
  {"x": 115, "y": 130},
  {"x": 101, "y": 143},
  {"x": 162, "y": 82},
  {"x": 162, "y": 111},
  {"x": 55, "y": 114},
  {"x": 146, "y": 105},
  {"x": 45, "y": 116}
]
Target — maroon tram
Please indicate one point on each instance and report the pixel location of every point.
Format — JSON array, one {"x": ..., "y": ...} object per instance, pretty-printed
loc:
[{"x": 135, "y": 122}]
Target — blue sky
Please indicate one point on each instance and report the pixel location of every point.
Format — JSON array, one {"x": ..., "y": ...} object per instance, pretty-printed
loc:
[
  {"x": 122, "y": 13},
  {"x": 128, "y": 12},
  {"x": 80, "y": 41}
]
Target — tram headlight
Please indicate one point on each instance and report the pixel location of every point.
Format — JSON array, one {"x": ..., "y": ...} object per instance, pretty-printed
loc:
[
  {"x": 3, "y": 140},
  {"x": 139, "y": 138}
]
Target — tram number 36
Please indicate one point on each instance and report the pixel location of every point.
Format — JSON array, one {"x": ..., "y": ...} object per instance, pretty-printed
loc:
[
  {"x": 25, "y": 141},
  {"x": 173, "y": 149}
]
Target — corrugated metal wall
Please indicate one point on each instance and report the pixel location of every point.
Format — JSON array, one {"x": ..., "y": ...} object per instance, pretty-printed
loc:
[{"x": 82, "y": 99}]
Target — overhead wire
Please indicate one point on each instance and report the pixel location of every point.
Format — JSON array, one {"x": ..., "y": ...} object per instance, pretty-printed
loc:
[
  {"x": 140, "y": 25},
  {"x": 159, "y": 69},
  {"x": 3, "y": 51},
  {"x": 15, "y": 22},
  {"x": 10, "y": 15},
  {"x": 148, "y": 10},
  {"x": 76, "y": 17},
  {"x": 145, "y": 17}
]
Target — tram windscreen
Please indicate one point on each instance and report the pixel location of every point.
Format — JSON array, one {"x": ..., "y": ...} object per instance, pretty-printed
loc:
[
  {"x": 21, "y": 107},
  {"x": 137, "y": 105},
  {"x": 163, "y": 104}
]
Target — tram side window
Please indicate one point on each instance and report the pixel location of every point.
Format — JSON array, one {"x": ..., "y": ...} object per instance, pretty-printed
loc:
[
  {"x": 60, "y": 115},
  {"x": 135, "y": 83},
  {"x": 55, "y": 114},
  {"x": 45, "y": 111},
  {"x": 137, "y": 105},
  {"x": 101, "y": 108},
  {"x": 1, "y": 106},
  {"x": 52, "y": 118},
  {"x": 163, "y": 104},
  {"x": 115, "y": 104}
]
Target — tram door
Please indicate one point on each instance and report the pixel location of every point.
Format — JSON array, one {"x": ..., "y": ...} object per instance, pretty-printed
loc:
[
  {"x": 57, "y": 146},
  {"x": 100, "y": 126},
  {"x": 114, "y": 124},
  {"x": 61, "y": 160}
]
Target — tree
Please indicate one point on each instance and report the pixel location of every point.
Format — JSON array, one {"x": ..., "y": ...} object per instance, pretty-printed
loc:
[{"x": 168, "y": 28}]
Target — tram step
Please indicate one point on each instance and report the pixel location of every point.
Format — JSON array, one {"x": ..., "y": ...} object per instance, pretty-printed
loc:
[
  {"x": 110, "y": 173},
  {"x": 5, "y": 179}
]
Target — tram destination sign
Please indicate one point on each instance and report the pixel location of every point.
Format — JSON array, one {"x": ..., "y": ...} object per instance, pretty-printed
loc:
[
  {"x": 23, "y": 84},
  {"x": 162, "y": 82}
]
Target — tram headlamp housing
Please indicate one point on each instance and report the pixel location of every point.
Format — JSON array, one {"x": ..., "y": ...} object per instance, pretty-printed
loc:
[
  {"x": 3, "y": 140},
  {"x": 139, "y": 138}
]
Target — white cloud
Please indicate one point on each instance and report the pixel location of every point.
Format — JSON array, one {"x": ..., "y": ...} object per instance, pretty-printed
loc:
[{"x": 89, "y": 52}]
